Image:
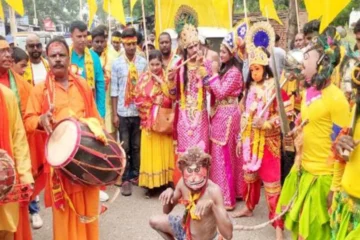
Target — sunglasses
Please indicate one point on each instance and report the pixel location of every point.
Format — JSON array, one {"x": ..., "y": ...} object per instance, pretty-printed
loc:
[{"x": 37, "y": 45}]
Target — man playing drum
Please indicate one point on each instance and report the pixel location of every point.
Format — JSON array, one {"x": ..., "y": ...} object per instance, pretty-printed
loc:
[
  {"x": 13, "y": 144},
  {"x": 63, "y": 95}
]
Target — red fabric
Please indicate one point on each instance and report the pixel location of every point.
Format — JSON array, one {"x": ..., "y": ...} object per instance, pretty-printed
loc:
[
  {"x": 269, "y": 173},
  {"x": 4, "y": 127}
]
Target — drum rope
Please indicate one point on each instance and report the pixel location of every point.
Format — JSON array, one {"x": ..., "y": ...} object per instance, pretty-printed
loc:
[{"x": 97, "y": 168}]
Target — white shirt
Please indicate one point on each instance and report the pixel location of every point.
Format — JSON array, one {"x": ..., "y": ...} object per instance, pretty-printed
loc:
[
  {"x": 39, "y": 72},
  {"x": 280, "y": 55}
]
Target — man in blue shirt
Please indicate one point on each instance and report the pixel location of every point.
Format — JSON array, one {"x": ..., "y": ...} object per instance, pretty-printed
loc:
[
  {"x": 86, "y": 63},
  {"x": 125, "y": 73}
]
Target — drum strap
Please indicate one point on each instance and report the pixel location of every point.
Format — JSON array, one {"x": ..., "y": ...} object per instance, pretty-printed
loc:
[{"x": 59, "y": 197}]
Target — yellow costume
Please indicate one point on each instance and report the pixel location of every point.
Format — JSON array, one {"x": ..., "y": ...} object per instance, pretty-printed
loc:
[
  {"x": 345, "y": 220},
  {"x": 9, "y": 213}
]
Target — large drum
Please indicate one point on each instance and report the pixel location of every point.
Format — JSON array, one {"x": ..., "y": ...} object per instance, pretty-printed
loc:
[
  {"x": 74, "y": 149},
  {"x": 7, "y": 175}
]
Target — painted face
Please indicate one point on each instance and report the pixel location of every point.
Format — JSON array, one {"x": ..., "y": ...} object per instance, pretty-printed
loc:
[
  {"x": 310, "y": 67},
  {"x": 224, "y": 54},
  {"x": 155, "y": 66},
  {"x": 195, "y": 177},
  {"x": 257, "y": 72}
]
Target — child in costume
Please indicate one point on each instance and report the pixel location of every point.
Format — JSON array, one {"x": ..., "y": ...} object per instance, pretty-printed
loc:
[
  {"x": 205, "y": 213},
  {"x": 260, "y": 139}
]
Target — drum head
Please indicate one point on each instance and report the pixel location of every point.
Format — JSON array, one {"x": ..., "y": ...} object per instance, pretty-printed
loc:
[{"x": 63, "y": 143}]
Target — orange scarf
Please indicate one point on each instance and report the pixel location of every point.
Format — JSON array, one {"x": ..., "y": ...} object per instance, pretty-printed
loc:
[
  {"x": 4, "y": 126},
  {"x": 50, "y": 87}
]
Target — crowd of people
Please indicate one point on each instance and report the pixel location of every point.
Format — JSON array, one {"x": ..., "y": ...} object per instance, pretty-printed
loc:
[{"x": 206, "y": 129}]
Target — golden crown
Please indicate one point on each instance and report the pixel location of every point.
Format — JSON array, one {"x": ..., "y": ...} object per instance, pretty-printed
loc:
[
  {"x": 258, "y": 56},
  {"x": 188, "y": 36}
]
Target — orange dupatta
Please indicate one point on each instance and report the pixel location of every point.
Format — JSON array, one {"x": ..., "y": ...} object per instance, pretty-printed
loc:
[{"x": 5, "y": 143}]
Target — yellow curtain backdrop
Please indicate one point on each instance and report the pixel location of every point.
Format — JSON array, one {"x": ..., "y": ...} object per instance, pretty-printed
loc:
[
  {"x": 116, "y": 10},
  {"x": 92, "y": 10},
  {"x": 211, "y": 13},
  {"x": 17, "y": 5},
  {"x": 268, "y": 10}
]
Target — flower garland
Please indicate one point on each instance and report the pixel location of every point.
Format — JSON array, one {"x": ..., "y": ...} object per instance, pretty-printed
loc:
[{"x": 253, "y": 155}]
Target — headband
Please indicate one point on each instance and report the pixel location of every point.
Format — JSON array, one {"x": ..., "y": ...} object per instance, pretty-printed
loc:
[
  {"x": 117, "y": 39},
  {"x": 129, "y": 40}
]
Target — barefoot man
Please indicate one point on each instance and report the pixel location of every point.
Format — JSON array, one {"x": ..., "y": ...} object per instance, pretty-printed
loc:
[{"x": 205, "y": 216}]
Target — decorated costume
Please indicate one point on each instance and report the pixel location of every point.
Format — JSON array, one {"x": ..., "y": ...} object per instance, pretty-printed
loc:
[
  {"x": 226, "y": 168},
  {"x": 191, "y": 121},
  {"x": 157, "y": 158},
  {"x": 327, "y": 112},
  {"x": 261, "y": 146},
  {"x": 345, "y": 218}
]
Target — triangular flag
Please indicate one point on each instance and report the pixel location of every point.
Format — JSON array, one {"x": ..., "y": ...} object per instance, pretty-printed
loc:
[
  {"x": 2, "y": 17},
  {"x": 331, "y": 9},
  {"x": 92, "y": 11},
  {"x": 314, "y": 9},
  {"x": 17, "y": 5},
  {"x": 268, "y": 10},
  {"x": 116, "y": 9},
  {"x": 132, "y": 4}
]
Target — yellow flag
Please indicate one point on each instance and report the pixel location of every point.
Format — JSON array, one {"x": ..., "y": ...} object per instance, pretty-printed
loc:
[
  {"x": 92, "y": 10},
  {"x": 2, "y": 17},
  {"x": 268, "y": 10},
  {"x": 314, "y": 8},
  {"x": 211, "y": 13},
  {"x": 132, "y": 4},
  {"x": 17, "y": 5},
  {"x": 331, "y": 9},
  {"x": 116, "y": 9}
]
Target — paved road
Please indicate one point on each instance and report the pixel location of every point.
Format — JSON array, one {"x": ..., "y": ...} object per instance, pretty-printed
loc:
[{"x": 127, "y": 218}]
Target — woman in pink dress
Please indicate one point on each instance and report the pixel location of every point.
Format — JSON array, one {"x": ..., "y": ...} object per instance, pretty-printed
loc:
[{"x": 226, "y": 87}]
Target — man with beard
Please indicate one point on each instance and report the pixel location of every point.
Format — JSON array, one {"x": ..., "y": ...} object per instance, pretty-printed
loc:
[
  {"x": 169, "y": 57},
  {"x": 86, "y": 63},
  {"x": 125, "y": 74},
  {"x": 205, "y": 215},
  {"x": 38, "y": 66},
  {"x": 63, "y": 95}
]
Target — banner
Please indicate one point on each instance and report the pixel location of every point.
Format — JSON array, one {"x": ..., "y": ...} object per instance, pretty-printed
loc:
[
  {"x": 92, "y": 11},
  {"x": 268, "y": 10},
  {"x": 211, "y": 13},
  {"x": 17, "y": 5}
]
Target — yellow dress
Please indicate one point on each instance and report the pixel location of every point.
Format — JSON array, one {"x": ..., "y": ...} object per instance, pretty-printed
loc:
[{"x": 157, "y": 154}]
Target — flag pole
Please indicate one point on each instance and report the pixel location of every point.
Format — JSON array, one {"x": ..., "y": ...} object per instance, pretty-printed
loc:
[
  {"x": 159, "y": 13},
  {"x": 297, "y": 15},
  {"x": 245, "y": 10},
  {"x": 13, "y": 27},
  {"x": 109, "y": 17},
  {"x": 80, "y": 5},
  {"x": 267, "y": 13},
  {"x": 230, "y": 13},
  {"x": 144, "y": 26}
]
